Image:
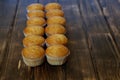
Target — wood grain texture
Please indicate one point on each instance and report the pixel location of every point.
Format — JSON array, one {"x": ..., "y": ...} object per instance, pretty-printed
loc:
[
  {"x": 93, "y": 17},
  {"x": 79, "y": 62},
  {"x": 111, "y": 10},
  {"x": 117, "y": 41},
  {"x": 13, "y": 67},
  {"x": 105, "y": 60},
  {"x": 6, "y": 26},
  {"x": 93, "y": 32}
]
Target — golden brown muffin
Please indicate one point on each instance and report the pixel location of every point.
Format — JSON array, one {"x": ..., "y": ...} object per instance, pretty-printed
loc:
[
  {"x": 36, "y": 21},
  {"x": 35, "y": 6},
  {"x": 35, "y": 13},
  {"x": 50, "y": 6},
  {"x": 33, "y": 55},
  {"x": 55, "y": 29},
  {"x": 33, "y": 40},
  {"x": 57, "y": 54},
  {"x": 56, "y": 20},
  {"x": 56, "y": 39},
  {"x": 33, "y": 30},
  {"x": 54, "y": 12}
]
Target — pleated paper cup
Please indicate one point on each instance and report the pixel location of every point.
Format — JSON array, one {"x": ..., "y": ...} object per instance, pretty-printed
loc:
[
  {"x": 57, "y": 60},
  {"x": 33, "y": 62}
]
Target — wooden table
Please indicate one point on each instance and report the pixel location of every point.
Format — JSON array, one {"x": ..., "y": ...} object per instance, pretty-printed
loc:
[{"x": 93, "y": 29}]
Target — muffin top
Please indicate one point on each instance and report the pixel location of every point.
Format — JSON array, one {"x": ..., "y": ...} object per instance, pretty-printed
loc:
[
  {"x": 57, "y": 39},
  {"x": 36, "y": 21},
  {"x": 50, "y": 6},
  {"x": 57, "y": 51},
  {"x": 56, "y": 20},
  {"x": 36, "y": 13},
  {"x": 34, "y": 30},
  {"x": 54, "y": 12},
  {"x": 33, "y": 52},
  {"x": 33, "y": 40},
  {"x": 35, "y": 6},
  {"x": 55, "y": 29}
]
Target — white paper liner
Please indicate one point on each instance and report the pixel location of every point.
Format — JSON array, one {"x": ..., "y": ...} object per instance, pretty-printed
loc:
[
  {"x": 53, "y": 34},
  {"x": 31, "y": 10},
  {"x": 42, "y": 45},
  {"x": 33, "y": 62},
  {"x": 27, "y": 10},
  {"x": 35, "y": 11},
  {"x": 57, "y": 60},
  {"x": 34, "y": 16},
  {"x": 53, "y": 44},
  {"x": 47, "y": 44},
  {"x": 44, "y": 25},
  {"x": 47, "y": 34},
  {"x": 27, "y": 17},
  {"x": 25, "y": 34},
  {"x": 37, "y": 25},
  {"x": 31, "y": 34}
]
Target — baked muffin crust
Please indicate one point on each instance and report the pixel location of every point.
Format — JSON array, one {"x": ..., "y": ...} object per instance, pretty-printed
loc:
[
  {"x": 50, "y": 6},
  {"x": 54, "y": 12},
  {"x": 35, "y": 6},
  {"x": 36, "y": 21},
  {"x": 33, "y": 40},
  {"x": 56, "y": 20},
  {"x": 34, "y": 30},
  {"x": 56, "y": 39},
  {"x": 35, "y": 13},
  {"x": 55, "y": 29},
  {"x": 57, "y": 51},
  {"x": 33, "y": 52}
]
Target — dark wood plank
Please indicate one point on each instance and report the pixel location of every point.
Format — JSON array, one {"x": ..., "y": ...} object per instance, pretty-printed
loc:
[
  {"x": 13, "y": 67},
  {"x": 47, "y": 72},
  {"x": 104, "y": 55},
  {"x": 79, "y": 65},
  {"x": 117, "y": 40},
  {"x": 93, "y": 17},
  {"x": 111, "y": 10},
  {"x": 6, "y": 22}
]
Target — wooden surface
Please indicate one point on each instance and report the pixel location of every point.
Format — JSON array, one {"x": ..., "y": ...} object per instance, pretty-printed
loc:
[{"x": 93, "y": 29}]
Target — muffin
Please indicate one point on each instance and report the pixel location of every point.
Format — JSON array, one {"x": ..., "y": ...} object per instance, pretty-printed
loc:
[
  {"x": 57, "y": 54},
  {"x": 56, "y": 39},
  {"x": 33, "y": 40},
  {"x": 35, "y": 6},
  {"x": 35, "y": 13},
  {"x": 36, "y": 21},
  {"x": 50, "y": 6},
  {"x": 33, "y": 55},
  {"x": 33, "y": 30},
  {"x": 55, "y": 29},
  {"x": 54, "y": 12},
  {"x": 56, "y": 20}
]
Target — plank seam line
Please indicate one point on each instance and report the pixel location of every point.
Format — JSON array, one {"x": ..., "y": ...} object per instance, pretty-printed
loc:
[
  {"x": 115, "y": 48},
  {"x": 89, "y": 45},
  {"x": 111, "y": 34}
]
